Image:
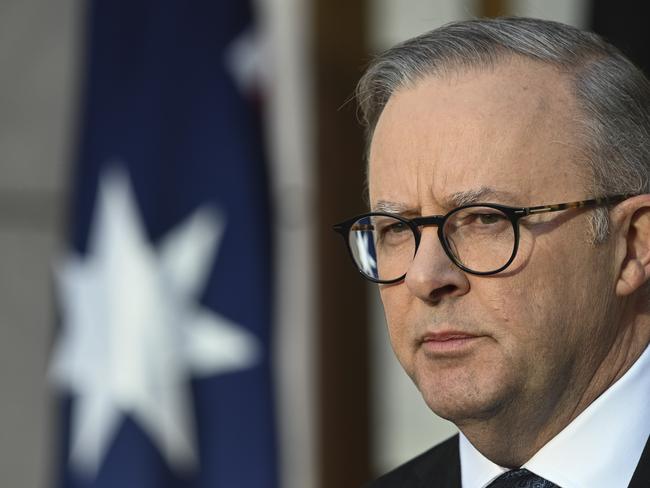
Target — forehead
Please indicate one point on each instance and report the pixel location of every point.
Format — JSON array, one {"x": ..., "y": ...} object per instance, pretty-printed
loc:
[{"x": 511, "y": 127}]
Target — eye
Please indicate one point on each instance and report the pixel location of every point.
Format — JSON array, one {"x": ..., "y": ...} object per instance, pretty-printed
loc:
[
  {"x": 490, "y": 218},
  {"x": 481, "y": 216},
  {"x": 392, "y": 231},
  {"x": 396, "y": 228},
  {"x": 478, "y": 219},
  {"x": 387, "y": 229}
]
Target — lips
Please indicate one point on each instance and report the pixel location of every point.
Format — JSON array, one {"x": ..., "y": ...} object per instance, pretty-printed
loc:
[
  {"x": 450, "y": 342},
  {"x": 446, "y": 336}
]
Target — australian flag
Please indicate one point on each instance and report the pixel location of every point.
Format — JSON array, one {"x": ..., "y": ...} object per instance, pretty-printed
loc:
[{"x": 162, "y": 356}]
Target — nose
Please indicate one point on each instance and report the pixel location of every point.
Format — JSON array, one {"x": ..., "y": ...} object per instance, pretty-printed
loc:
[{"x": 432, "y": 275}]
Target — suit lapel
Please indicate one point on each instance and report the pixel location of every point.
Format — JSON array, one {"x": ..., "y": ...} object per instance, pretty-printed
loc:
[
  {"x": 442, "y": 470},
  {"x": 641, "y": 477}
]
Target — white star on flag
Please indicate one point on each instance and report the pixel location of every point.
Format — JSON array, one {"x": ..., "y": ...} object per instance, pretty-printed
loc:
[
  {"x": 368, "y": 263},
  {"x": 134, "y": 332}
]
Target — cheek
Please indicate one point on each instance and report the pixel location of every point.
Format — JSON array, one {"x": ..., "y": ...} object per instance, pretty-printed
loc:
[
  {"x": 547, "y": 310},
  {"x": 396, "y": 302},
  {"x": 521, "y": 312}
]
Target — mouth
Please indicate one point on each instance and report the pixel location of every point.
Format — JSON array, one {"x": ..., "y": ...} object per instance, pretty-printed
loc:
[{"x": 449, "y": 342}]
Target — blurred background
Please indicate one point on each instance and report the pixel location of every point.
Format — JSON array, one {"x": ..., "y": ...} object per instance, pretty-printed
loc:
[{"x": 175, "y": 309}]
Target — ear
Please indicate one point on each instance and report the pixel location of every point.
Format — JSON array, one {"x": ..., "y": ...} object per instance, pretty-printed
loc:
[{"x": 631, "y": 220}]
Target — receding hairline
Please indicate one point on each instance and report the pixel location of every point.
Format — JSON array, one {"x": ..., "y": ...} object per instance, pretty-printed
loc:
[
  {"x": 456, "y": 69},
  {"x": 474, "y": 44},
  {"x": 542, "y": 96}
]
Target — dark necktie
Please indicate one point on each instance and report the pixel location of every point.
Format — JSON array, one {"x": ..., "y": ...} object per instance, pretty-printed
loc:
[{"x": 521, "y": 478}]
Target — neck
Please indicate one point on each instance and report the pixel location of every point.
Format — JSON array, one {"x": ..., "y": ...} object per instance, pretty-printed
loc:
[{"x": 514, "y": 433}]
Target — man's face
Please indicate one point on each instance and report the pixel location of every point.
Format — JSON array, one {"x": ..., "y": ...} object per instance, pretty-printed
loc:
[{"x": 518, "y": 341}]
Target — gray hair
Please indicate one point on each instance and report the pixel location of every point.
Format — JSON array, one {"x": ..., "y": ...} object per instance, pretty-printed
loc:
[{"x": 612, "y": 94}]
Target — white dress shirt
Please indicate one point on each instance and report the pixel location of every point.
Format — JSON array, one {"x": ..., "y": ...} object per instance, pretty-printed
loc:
[{"x": 600, "y": 448}]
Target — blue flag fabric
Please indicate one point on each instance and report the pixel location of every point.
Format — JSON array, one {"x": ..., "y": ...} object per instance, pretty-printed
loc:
[{"x": 161, "y": 103}]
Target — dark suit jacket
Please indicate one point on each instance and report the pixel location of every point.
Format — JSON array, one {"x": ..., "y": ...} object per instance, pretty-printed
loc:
[{"x": 440, "y": 468}]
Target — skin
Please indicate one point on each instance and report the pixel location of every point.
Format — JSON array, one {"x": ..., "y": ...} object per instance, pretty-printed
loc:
[{"x": 549, "y": 334}]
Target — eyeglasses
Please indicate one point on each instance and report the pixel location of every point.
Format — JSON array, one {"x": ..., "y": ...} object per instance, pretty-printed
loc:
[{"x": 481, "y": 239}]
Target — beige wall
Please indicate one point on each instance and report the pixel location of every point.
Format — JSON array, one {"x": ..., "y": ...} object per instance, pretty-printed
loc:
[{"x": 37, "y": 62}]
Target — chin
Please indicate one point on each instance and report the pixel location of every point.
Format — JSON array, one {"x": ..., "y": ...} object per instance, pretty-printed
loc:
[
  {"x": 461, "y": 399},
  {"x": 460, "y": 411}
]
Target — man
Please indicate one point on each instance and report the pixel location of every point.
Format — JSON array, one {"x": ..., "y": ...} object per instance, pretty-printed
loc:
[{"x": 509, "y": 184}]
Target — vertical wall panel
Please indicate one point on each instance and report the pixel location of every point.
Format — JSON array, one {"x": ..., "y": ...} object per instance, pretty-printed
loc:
[
  {"x": 39, "y": 58},
  {"x": 286, "y": 30},
  {"x": 339, "y": 54}
]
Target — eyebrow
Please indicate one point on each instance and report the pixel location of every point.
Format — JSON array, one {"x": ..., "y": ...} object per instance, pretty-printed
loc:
[
  {"x": 390, "y": 207},
  {"x": 483, "y": 194}
]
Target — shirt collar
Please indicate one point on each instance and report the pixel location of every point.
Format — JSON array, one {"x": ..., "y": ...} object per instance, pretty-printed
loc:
[{"x": 600, "y": 448}]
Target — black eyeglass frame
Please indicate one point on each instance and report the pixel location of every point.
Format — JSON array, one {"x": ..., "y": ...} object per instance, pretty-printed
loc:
[{"x": 514, "y": 214}]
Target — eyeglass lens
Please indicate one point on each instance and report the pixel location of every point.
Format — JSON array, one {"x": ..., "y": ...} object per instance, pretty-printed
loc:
[{"x": 481, "y": 239}]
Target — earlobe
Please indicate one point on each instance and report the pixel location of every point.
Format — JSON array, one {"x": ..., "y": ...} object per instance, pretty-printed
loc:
[
  {"x": 632, "y": 276},
  {"x": 635, "y": 266}
]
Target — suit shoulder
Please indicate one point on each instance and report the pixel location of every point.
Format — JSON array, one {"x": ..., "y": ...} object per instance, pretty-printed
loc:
[{"x": 439, "y": 466}]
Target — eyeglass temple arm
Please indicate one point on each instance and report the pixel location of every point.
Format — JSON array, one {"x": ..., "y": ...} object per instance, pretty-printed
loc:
[{"x": 564, "y": 206}]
